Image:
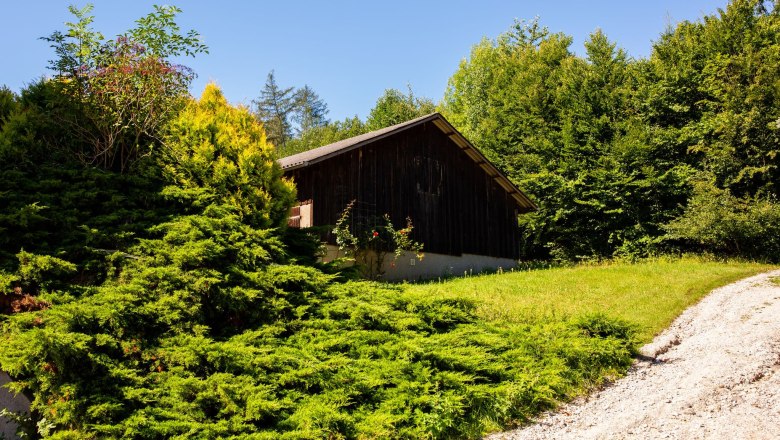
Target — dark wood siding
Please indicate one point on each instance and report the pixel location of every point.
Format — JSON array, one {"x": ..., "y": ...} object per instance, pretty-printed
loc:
[{"x": 419, "y": 173}]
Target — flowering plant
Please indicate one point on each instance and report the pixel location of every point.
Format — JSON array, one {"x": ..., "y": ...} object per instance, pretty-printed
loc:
[{"x": 368, "y": 241}]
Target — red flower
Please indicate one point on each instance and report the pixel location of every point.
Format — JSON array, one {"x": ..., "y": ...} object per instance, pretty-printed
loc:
[{"x": 376, "y": 234}]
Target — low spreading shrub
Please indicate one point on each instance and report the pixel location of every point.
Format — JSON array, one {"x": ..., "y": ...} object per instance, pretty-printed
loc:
[{"x": 354, "y": 360}]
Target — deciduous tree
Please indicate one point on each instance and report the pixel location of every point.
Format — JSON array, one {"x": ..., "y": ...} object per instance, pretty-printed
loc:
[
  {"x": 117, "y": 94},
  {"x": 395, "y": 107},
  {"x": 275, "y": 108},
  {"x": 311, "y": 111}
]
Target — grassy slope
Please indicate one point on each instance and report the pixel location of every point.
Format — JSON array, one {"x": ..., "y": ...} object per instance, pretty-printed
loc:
[{"x": 650, "y": 294}]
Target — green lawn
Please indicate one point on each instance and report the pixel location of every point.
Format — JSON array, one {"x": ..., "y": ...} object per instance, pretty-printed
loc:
[{"x": 650, "y": 293}]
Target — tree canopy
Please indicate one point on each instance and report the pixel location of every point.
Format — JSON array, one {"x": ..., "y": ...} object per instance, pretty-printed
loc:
[{"x": 609, "y": 146}]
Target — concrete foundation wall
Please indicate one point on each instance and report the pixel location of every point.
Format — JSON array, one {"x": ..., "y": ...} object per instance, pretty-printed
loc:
[
  {"x": 16, "y": 403},
  {"x": 408, "y": 267}
]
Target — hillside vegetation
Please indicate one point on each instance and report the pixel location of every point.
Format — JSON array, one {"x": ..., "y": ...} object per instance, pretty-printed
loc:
[
  {"x": 150, "y": 288},
  {"x": 153, "y": 295}
]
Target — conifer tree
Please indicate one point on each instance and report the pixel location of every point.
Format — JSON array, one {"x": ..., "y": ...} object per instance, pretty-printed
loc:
[
  {"x": 275, "y": 107},
  {"x": 311, "y": 111}
]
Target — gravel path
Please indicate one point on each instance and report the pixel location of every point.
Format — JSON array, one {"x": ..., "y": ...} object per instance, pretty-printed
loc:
[{"x": 714, "y": 374}]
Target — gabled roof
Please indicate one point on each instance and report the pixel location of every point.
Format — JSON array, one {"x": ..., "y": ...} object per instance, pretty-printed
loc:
[{"x": 320, "y": 154}]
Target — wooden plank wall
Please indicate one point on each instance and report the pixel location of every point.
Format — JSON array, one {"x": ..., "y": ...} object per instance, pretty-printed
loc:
[{"x": 420, "y": 173}]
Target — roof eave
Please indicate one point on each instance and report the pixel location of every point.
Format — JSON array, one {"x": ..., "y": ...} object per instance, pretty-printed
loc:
[{"x": 524, "y": 203}]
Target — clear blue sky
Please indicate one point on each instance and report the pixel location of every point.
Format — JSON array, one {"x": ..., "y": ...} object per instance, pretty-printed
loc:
[{"x": 348, "y": 51}]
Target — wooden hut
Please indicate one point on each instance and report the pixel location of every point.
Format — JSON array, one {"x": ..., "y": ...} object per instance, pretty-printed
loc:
[{"x": 463, "y": 209}]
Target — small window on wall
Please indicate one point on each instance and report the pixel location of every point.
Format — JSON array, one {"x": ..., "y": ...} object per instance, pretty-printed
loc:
[
  {"x": 302, "y": 215},
  {"x": 430, "y": 175}
]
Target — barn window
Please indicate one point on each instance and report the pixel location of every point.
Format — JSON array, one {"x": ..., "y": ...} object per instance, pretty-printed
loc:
[
  {"x": 302, "y": 215},
  {"x": 430, "y": 175}
]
